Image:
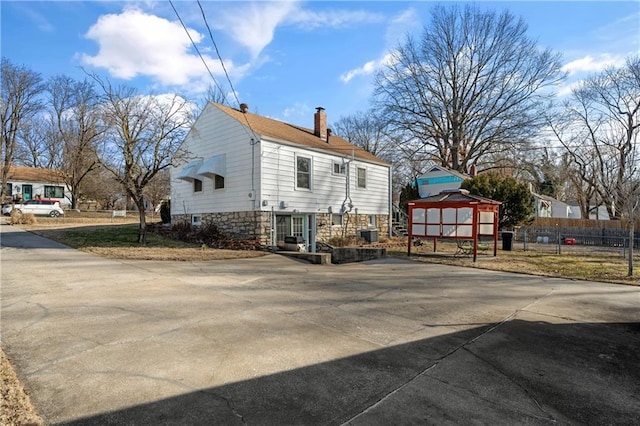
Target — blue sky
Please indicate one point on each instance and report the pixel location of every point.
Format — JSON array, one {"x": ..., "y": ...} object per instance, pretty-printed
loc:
[{"x": 284, "y": 58}]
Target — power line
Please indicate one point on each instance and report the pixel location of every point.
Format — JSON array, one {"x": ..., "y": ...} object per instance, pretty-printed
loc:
[
  {"x": 196, "y": 47},
  {"x": 233, "y": 90}
]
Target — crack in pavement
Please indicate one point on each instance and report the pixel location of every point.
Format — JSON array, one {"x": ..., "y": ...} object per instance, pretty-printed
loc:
[
  {"x": 505, "y": 375},
  {"x": 447, "y": 355}
]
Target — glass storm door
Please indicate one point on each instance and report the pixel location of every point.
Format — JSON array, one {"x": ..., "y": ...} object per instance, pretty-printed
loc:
[
  {"x": 297, "y": 227},
  {"x": 27, "y": 192}
]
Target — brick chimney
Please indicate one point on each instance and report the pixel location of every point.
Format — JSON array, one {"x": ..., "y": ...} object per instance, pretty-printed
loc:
[{"x": 320, "y": 123}]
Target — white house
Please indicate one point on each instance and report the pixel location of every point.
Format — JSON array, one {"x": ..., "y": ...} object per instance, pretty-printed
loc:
[
  {"x": 26, "y": 183},
  {"x": 255, "y": 177},
  {"x": 438, "y": 179},
  {"x": 546, "y": 206}
]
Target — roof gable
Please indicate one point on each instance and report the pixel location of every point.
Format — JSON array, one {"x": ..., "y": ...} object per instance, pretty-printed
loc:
[
  {"x": 440, "y": 169},
  {"x": 285, "y": 132},
  {"x": 456, "y": 196}
]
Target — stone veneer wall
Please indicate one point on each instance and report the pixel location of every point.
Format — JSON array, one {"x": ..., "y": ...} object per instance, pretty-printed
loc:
[
  {"x": 352, "y": 223},
  {"x": 243, "y": 225},
  {"x": 256, "y": 224}
]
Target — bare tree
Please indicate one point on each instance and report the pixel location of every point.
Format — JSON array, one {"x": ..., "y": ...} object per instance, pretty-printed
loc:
[
  {"x": 473, "y": 83},
  {"x": 600, "y": 129},
  {"x": 101, "y": 186},
  {"x": 215, "y": 94},
  {"x": 75, "y": 120},
  {"x": 144, "y": 137},
  {"x": 36, "y": 144},
  {"x": 158, "y": 189},
  {"x": 366, "y": 130},
  {"x": 21, "y": 88}
]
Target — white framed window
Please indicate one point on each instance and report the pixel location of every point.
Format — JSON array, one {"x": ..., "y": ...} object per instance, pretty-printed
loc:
[
  {"x": 339, "y": 168},
  {"x": 303, "y": 172},
  {"x": 196, "y": 220},
  {"x": 362, "y": 177},
  {"x": 371, "y": 219},
  {"x": 336, "y": 219},
  {"x": 197, "y": 185}
]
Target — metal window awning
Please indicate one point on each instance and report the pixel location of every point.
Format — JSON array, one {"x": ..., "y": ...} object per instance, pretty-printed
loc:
[
  {"x": 216, "y": 165},
  {"x": 190, "y": 171}
]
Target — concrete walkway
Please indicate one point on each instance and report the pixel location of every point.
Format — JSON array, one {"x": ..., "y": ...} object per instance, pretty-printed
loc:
[{"x": 277, "y": 341}]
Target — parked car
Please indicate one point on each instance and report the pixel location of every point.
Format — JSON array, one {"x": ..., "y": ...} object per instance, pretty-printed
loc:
[{"x": 41, "y": 207}]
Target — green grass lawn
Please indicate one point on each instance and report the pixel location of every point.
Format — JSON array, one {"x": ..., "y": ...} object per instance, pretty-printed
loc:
[{"x": 121, "y": 242}]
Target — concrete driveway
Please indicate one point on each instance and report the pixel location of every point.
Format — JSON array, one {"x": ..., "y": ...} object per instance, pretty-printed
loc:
[{"x": 276, "y": 341}]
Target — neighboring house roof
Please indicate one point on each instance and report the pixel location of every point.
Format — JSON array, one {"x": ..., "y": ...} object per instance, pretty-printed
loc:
[
  {"x": 446, "y": 170},
  {"x": 456, "y": 196},
  {"x": 34, "y": 174},
  {"x": 546, "y": 197},
  {"x": 299, "y": 135}
]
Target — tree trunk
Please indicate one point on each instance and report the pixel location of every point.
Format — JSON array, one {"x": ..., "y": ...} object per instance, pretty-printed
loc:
[
  {"x": 142, "y": 229},
  {"x": 631, "y": 235}
]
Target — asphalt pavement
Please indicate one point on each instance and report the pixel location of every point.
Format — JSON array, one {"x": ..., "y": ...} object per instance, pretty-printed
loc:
[{"x": 277, "y": 341}]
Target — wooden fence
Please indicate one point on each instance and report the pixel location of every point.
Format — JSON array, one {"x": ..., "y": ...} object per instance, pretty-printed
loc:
[
  {"x": 609, "y": 233},
  {"x": 580, "y": 223}
]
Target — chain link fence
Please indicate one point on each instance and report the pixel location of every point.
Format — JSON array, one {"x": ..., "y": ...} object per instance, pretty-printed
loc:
[{"x": 560, "y": 240}]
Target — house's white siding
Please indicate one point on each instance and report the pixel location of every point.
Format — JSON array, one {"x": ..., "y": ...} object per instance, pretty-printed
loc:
[
  {"x": 38, "y": 191},
  {"x": 216, "y": 133},
  {"x": 328, "y": 192}
]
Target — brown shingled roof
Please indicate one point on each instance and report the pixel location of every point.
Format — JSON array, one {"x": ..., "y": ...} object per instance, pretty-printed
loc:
[
  {"x": 299, "y": 135},
  {"x": 34, "y": 174}
]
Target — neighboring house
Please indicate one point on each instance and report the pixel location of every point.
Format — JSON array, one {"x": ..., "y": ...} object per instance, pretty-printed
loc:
[
  {"x": 255, "y": 177},
  {"x": 598, "y": 213},
  {"x": 595, "y": 213},
  {"x": 546, "y": 206},
  {"x": 439, "y": 179},
  {"x": 26, "y": 183}
]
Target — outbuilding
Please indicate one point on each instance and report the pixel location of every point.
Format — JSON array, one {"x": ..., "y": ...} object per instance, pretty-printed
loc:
[{"x": 454, "y": 214}]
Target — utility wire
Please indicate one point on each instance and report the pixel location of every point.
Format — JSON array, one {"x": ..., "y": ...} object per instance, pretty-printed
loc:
[
  {"x": 196, "y": 47},
  {"x": 233, "y": 90}
]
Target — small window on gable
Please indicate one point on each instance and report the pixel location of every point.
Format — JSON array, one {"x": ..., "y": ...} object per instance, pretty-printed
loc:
[
  {"x": 338, "y": 168},
  {"x": 197, "y": 185},
  {"x": 218, "y": 182},
  {"x": 362, "y": 177},
  {"x": 336, "y": 219},
  {"x": 303, "y": 172}
]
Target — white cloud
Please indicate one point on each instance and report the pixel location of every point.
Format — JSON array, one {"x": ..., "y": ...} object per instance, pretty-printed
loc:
[
  {"x": 336, "y": 18},
  {"x": 567, "y": 89},
  {"x": 253, "y": 24},
  {"x": 403, "y": 23},
  {"x": 406, "y": 22},
  {"x": 134, "y": 43},
  {"x": 592, "y": 64},
  {"x": 299, "y": 109},
  {"x": 368, "y": 68}
]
